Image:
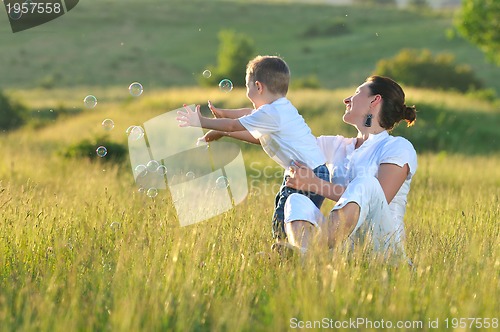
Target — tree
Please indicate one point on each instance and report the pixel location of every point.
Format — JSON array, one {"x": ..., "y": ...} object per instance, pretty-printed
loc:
[
  {"x": 422, "y": 69},
  {"x": 479, "y": 22},
  {"x": 235, "y": 50}
]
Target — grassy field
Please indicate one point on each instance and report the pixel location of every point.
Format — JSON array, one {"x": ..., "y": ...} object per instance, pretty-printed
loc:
[
  {"x": 169, "y": 43},
  {"x": 81, "y": 249}
]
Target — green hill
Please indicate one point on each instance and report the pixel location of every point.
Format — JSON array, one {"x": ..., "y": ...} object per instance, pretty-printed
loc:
[{"x": 169, "y": 43}]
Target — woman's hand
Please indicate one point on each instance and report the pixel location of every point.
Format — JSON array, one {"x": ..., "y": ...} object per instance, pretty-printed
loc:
[
  {"x": 303, "y": 178},
  {"x": 228, "y": 113},
  {"x": 211, "y": 136},
  {"x": 189, "y": 118},
  {"x": 217, "y": 112}
]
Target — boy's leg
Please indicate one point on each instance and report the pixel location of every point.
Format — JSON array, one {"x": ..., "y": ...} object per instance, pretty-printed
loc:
[
  {"x": 279, "y": 208},
  {"x": 279, "y": 211},
  {"x": 304, "y": 223},
  {"x": 323, "y": 173}
]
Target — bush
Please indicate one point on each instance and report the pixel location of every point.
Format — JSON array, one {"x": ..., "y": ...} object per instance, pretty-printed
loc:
[
  {"x": 41, "y": 117},
  {"x": 86, "y": 148},
  {"x": 235, "y": 50},
  {"x": 12, "y": 115},
  {"x": 422, "y": 69},
  {"x": 336, "y": 27},
  {"x": 483, "y": 94}
]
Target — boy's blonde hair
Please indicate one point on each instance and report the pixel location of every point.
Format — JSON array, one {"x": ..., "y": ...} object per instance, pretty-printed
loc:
[{"x": 272, "y": 71}]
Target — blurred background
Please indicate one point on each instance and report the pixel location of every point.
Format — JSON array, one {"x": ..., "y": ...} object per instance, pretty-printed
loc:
[
  {"x": 445, "y": 54},
  {"x": 328, "y": 44}
]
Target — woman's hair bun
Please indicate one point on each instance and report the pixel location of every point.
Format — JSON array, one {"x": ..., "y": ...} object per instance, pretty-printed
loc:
[{"x": 409, "y": 114}]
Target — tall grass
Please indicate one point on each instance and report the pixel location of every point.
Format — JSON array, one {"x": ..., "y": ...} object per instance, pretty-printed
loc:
[{"x": 81, "y": 249}]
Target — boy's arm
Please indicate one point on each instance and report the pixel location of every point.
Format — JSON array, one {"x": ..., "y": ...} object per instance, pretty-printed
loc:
[
  {"x": 228, "y": 113},
  {"x": 228, "y": 125},
  {"x": 195, "y": 119},
  {"x": 243, "y": 135},
  {"x": 214, "y": 135}
]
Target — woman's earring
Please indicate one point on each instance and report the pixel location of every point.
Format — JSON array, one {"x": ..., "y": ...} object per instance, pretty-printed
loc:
[{"x": 368, "y": 121}]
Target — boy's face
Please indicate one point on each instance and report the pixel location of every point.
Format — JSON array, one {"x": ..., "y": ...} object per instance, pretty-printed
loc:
[{"x": 252, "y": 92}]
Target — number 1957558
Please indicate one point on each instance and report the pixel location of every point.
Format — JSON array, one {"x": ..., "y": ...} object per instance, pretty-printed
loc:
[{"x": 34, "y": 8}]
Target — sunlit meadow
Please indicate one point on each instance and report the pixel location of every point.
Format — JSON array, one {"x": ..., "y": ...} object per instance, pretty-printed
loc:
[{"x": 82, "y": 249}]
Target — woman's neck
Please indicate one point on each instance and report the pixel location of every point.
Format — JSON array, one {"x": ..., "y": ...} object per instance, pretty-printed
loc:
[{"x": 365, "y": 134}]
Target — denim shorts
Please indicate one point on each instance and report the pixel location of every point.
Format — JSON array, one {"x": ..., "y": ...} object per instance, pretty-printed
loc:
[{"x": 279, "y": 208}]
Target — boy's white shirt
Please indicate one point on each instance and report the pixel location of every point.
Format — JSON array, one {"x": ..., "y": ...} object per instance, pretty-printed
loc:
[{"x": 284, "y": 134}]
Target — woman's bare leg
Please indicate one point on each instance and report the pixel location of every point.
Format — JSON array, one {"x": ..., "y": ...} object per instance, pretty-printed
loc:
[
  {"x": 341, "y": 223},
  {"x": 300, "y": 233}
]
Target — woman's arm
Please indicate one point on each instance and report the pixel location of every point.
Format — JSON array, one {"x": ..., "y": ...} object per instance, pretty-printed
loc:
[
  {"x": 243, "y": 135},
  {"x": 303, "y": 178},
  {"x": 228, "y": 113},
  {"x": 189, "y": 118},
  {"x": 391, "y": 178}
]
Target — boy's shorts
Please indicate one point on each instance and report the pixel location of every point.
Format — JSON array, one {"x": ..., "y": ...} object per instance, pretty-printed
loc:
[{"x": 279, "y": 208}]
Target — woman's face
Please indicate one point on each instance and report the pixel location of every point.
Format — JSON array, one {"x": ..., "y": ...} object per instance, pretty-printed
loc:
[{"x": 358, "y": 105}]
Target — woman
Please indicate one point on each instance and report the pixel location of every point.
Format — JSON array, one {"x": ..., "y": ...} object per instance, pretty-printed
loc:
[{"x": 371, "y": 177}]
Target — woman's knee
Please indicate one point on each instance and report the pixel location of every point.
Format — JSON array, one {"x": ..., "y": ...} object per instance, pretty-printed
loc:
[
  {"x": 348, "y": 215},
  {"x": 298, "y": 232}
]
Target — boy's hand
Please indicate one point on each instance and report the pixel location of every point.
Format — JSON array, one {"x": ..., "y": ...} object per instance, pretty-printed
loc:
[
  {"x": 215, "y": 111},
  {"x": 211, "y": 136},
  {"x": 188, "y": 118}
]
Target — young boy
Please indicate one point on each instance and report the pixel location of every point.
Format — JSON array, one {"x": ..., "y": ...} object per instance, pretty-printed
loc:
[{"x": 274, "y": 123}]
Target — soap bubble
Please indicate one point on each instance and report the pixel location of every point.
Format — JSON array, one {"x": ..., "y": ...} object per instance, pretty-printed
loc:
[
  {"x": 162, "y": 170},
  {"x": 90, "y": 101},
  {"x": 221, "y": 182},
  {"x": 226, "y": 85},
  {"x": 108, "y": 124},
  {"x": 152, "y": 192},
  {"x": 135, "y": 133},
  {"x": 190, "y": 175},
  {"x": 141, "y": 170},
  {"x": 15, "y": 12},
  {"x": 207, "y": 73},
  {"x": 115, "y": 226},
  {"x": 135, "y": 89},
  {"x": 152, "y": 165},
  {"x": 129, "y": 129},
  {"x": 101, "y": 151}
]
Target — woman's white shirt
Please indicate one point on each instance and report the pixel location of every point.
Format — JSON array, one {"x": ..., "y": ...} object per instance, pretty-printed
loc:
[{"x": 346, "y": 163}]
